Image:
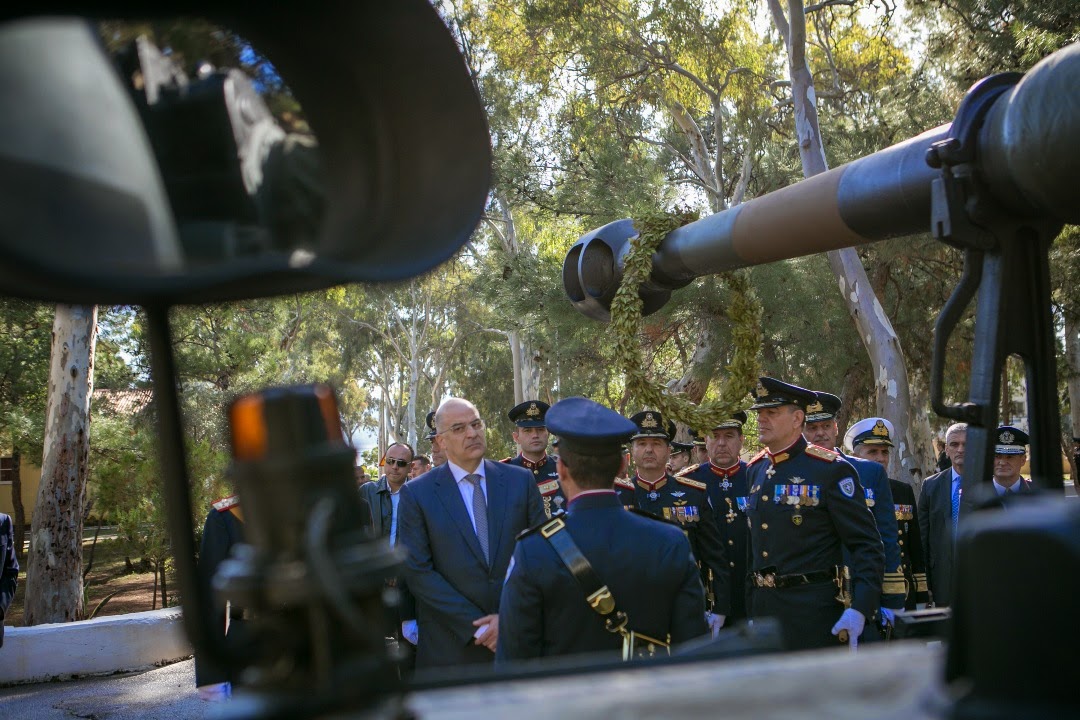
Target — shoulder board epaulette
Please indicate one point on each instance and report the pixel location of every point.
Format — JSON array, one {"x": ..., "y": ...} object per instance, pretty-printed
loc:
[
  {"x": 688, "y": 482},
  {"x": 760, "y": 455},
  {"x": 226, "y": 503},
  {"x": 816, "y": 451},
  {"x": 687, "y": 470},
  {"x": 657, "y": 518},
  {"x": 625, "y": 482},
  {"x": 506, "y": 459}
]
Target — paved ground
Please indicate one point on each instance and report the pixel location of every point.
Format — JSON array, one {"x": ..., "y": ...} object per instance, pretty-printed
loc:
[{"x": 166, "y": 693}]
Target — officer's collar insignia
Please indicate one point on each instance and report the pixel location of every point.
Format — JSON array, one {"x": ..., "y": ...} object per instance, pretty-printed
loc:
[
  {"x": 847, "y": 486},
  {"x": 761, "y": 391},
  {"x": 880, "y": 430},
  {"x": 533, "y": 411},
  {"x": 1006, "y": 438},
  {"x": 649, "y": 421},
  {"x": 815, "y": 407}
]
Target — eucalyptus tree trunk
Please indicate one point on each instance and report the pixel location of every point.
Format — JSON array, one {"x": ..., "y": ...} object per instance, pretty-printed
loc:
[
  {"x": 1072, "y": 361},
  {"x": 54, "y": 587},
  {"x": 874, "y": 328},
  {"x": 524, "y": 356},
  {"x": 18, "y": 512}
]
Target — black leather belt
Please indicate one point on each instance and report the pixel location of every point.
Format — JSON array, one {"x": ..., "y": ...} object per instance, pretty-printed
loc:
[{"x": 769, "y": 579}]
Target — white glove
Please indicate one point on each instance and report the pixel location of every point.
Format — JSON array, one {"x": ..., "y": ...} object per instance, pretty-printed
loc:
[
  {"x": 219, "y": 692},
  {"x": 853, "y": 621},
  {"x": 409, "y": 631},
  {"x": 715, "y": 623},
  {"x": 888, "y": 617}
]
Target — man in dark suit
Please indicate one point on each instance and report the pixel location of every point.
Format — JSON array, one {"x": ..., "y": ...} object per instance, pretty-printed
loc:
[
  {"x": 645, "y": 563},
  {"x": 223, "y": 529},
  {"x": 458, "y": 524},
  {"x": 939, "y": 510},
  {"x": 384, "y": 499},
  {"x": 9, "y": 569}
]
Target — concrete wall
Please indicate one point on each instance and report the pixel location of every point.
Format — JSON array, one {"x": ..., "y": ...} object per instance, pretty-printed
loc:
[{"x": 102, "y": 645}]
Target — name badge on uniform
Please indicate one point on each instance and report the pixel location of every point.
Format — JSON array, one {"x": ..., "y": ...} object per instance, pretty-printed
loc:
[{"x": 869, "y": 497}]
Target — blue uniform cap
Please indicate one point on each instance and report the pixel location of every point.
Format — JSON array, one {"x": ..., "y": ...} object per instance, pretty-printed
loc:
[
  {"x": 824, "y": 407},
  {"x": 587, "y": 427},
  {"x": 771, "y": 393},
  {"x": 1010, "y": 441},
  {"x": 529, "y": 413}
]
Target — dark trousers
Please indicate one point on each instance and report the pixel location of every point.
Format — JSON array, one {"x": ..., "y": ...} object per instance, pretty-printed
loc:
[{"x": 806, "y": 613}]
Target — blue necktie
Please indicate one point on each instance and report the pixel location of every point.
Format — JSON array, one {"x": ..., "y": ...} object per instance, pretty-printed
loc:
[{"x": 955, "y": 504}]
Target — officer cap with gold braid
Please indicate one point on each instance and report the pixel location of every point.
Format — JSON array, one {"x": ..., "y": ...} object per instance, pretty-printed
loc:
[
  {"x": 680, "y": 447},
  {"x": 529, "y": 413},
  {"x": 870, "y": 431},
  {"x": 824, "y": 407},
  {"x": 771, "y": 393},
  {"x": 1010, "y": 441},
  {"x": 735, "y": 422},
  {"x": 587, "y": 427},
  {"x": 650, "y": 424}
]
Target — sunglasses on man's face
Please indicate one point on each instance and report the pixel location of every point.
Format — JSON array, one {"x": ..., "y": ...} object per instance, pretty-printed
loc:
[{"x": 399, "y": 463}]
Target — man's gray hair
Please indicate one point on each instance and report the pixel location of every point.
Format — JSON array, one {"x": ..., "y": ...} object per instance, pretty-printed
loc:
[{"x": 955, "y": 428}]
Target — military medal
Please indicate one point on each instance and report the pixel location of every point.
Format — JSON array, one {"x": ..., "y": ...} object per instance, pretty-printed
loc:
[
  {"x": 770, "y": 471},
  {"x": 726, "y": 485},
  {"x": 731, "y": 511},
  {"x": 743, "y": 503},
  {"x": 559, "y": 500},
  {"x": 653, "y": 495}
]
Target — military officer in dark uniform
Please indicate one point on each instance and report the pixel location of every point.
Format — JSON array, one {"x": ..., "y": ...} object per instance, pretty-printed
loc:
[
  {"x": 438, "y": 457},
  {"x": 805, "y": 508},
  {"x": 531, "y": 436},
  {"x": 821, "y": 430},
  {"x": 224, "y": 528},
  {"x": 1010, "y": 454},
  {"x": 699, "y": 455},
  {"x": 725, "y": 479},
  {"x": 645, "y": 565},
  {"x": 680, "y": 456},
  {"x": 871, "y": 439},
  {"x": 681, "y": 500}
]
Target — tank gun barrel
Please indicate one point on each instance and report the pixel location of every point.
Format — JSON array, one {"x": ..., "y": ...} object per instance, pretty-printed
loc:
[{"x": 1024, "y": 154}]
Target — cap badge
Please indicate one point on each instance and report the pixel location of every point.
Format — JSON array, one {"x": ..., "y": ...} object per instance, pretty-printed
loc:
[
  {"x": 1006, "y": 438},
  {"x": 761, "y": 391},
  {"x": 815, "y": 407},
  {"x": 880, "y": 430},
  {"x": 533, "y": 411},
  {"x": 649, "y": 421}
]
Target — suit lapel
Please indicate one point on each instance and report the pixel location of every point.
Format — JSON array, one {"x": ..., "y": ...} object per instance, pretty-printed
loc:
[
  {"x": 496, "y": 493},
  {"x": 447, "y": 490},
  {"x": 946, "y": 500}
]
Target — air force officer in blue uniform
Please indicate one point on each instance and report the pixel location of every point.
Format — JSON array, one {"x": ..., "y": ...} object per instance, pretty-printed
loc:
[
  {"x": 458, "y": 524},
  {"x": 646, "y": 563}
]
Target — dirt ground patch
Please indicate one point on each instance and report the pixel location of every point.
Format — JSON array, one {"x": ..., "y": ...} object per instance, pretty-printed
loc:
[{"x": 134, "y": 591}]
